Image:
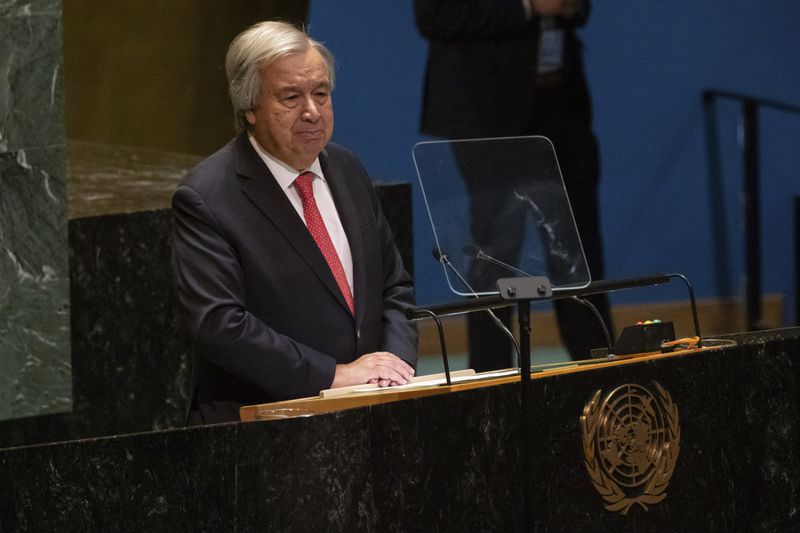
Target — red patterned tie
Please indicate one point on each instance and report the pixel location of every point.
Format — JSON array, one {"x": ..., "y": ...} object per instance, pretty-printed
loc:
[{"x": 316, "y": 226}]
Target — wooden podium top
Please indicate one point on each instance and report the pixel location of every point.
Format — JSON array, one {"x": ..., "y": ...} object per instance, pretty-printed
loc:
[{"x": 364, "y": 395}]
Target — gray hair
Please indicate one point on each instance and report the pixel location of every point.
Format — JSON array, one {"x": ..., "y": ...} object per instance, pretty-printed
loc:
[{"x": 254, "y": 49}]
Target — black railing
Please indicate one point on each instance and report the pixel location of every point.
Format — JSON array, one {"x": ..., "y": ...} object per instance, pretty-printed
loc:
[{"x": 752, "y": 201}]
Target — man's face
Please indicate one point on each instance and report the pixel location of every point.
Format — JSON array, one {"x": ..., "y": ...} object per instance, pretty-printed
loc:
[{"x": 293, "y": 120}]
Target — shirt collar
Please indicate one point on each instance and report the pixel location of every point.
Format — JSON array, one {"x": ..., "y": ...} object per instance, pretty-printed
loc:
[{"x": 283, "y": 173}]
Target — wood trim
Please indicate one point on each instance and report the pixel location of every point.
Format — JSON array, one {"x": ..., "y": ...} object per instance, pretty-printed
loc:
[{"x": 318, "y": 404}]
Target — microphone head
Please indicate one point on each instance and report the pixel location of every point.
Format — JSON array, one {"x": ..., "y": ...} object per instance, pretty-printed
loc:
[
  {"x": 438, "y": 255},
  {"x": 471, "y": 250}
]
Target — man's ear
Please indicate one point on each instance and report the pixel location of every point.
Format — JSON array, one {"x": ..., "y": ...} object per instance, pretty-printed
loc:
[{"x": 251, "y": 117}]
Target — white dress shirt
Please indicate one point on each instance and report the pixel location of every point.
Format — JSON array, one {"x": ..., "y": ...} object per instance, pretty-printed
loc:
[{"x": 285, "y": 176}]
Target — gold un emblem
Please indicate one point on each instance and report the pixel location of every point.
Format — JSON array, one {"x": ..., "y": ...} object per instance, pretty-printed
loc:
[{"x": 631, "y": 441}]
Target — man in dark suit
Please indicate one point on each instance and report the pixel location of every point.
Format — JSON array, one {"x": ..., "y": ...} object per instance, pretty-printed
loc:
[
  {"x": 505, "y": 68},
  {"x": 284, "y": 263}
]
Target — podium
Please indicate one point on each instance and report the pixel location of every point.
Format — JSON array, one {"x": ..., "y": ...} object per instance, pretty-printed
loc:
[{"x": 442, "y": 462}]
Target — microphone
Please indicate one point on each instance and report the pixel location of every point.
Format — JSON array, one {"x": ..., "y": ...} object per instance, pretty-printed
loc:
[
  {"x": 445, "y": 260},
  {"x": 475, "y": 252}
]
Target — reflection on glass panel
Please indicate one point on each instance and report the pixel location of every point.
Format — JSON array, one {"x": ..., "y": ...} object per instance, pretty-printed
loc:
[{"x": 499, "y": 209}]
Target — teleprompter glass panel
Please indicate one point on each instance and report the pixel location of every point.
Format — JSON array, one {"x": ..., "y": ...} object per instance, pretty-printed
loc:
[{"x": 499, "y": 209}]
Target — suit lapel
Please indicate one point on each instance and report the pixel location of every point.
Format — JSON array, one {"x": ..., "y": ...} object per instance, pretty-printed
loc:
[{"x": 262, "y": 189}]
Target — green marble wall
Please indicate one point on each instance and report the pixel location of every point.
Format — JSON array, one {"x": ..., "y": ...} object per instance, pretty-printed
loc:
[{"x": 35, "y": 376}]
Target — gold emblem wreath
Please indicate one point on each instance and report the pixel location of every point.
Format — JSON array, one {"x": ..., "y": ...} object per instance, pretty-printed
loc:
[{"x": 654, "y": 491}]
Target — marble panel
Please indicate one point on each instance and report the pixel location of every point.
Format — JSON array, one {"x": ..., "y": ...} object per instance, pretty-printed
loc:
[
  {"x": 31, "y": 76},
  {"x": 131, "y": 365},
  {"x": 34, "y": 305},
  {"x": 27, "y": 8},
  {"x": 166, "y": 481},
  {"x": 34, "y": 298},
  {"x": 130, "y": 351},
  {"x": 326, "y": 462},
  {"x": 442, "y": 463},
  {"x": 111, "y": 180},
  {"x": 448, "y": 463},
  {"x": 738, "y": 467}
]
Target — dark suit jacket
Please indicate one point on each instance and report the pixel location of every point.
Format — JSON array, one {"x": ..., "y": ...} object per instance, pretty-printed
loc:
[
  {"x": 481, "y": 75},
  {"x": 268, "y": 319}
]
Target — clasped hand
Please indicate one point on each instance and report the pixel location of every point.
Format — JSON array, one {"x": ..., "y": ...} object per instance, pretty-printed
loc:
[{"x": 382, "y": 368}]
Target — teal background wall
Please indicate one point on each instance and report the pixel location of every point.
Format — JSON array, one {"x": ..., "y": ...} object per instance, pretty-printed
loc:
[{"x": 647, "y": 64}]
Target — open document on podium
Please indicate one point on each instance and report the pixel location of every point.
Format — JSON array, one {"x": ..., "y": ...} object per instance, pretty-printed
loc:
[{"x": 419, "y": 382}]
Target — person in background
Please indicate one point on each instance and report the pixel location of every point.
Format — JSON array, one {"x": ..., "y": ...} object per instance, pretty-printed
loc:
[
  {"x": 284, "y": 263},
  {"x": 504, "y": 68}
]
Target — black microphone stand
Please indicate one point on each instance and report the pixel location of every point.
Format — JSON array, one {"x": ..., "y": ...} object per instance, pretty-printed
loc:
[
  {"x": 474, "y": 251},
  {"x": 523, "y": 291},
  {"x": 512, "y": 291},
  {"x": 516, "y": 291}
]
